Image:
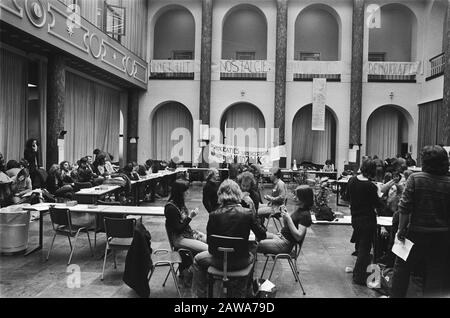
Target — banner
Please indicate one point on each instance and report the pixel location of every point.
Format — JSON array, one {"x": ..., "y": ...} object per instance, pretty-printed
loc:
[
  {"x": 319, "y": 100},
  {"x": 245, "y": 66},
  {"x": 172, "y": 66},
  {"x": 316, "y": 67},
  {"x": 394, "y": 68},
  {"x": 221, "y": 151}
]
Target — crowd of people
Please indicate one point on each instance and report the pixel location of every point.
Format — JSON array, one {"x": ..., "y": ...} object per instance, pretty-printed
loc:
[{"x": 420, "y": 206}]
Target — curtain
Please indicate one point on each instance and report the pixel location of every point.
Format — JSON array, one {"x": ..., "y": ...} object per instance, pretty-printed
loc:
[
  {"x": 91, "y": 118},
  {"x": 313, "y": 146},
  {"x": 383, "y": 133},
  {"x": 135, "y": 38},
  {"x": 42, "y": 86},
  {"x": 246, "y": 118},
  {"x": 166, "y": 119},
  {"x": 88, "y": 10},
  {"x": 429, "y": 124},
  {"x": 13, "y": 100}
]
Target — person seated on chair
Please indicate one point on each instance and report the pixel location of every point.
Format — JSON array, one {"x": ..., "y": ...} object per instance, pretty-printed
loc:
[
  {"x": 231, "y": 220},
  {"x": 21, "y": 185},
  {"x": 278, "y": 197},
  {"x": 129, "y": 171},
  {"x": 251, "y": 198},
  {"x": 210, "y": 199},
  {"x": 12, "y": 168},
  {"x": 295, "y": 225},
  {"x": 56, "y": 186},
  {"x": 329, "y": 166},
  {"x": 178, "y": 218}
]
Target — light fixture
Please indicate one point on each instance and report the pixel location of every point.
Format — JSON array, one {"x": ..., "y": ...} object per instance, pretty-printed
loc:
[
  {"x": 242, "y": 93},
  {"x": 391, "y": 95},
  {"x": 31, "y": 85}
]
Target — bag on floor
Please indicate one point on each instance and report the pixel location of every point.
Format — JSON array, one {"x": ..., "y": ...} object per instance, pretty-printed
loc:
[{"x": 324, "y": 213}]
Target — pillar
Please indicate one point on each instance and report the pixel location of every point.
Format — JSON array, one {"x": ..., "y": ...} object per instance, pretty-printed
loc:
[
  {"x": 357, "y": 75},
  {"x": 56, "y": 93},
  {"x": 132, "y": 124},
  {"x": 205, "y": 68},
  {"x": 445, "y": 118},
  {"x": 280, "y": 69}
]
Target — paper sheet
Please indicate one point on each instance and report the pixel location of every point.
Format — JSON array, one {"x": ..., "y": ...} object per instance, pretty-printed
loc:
[
  {"x": 402, "y": 249},
  {"x": 267, "y": 286}
]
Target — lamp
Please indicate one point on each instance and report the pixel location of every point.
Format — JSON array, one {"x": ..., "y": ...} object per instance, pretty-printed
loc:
[{"x": 391, "y": 95}]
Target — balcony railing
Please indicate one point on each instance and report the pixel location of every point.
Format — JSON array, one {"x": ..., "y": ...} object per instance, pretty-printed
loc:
[
  {"x": 308, "y": 70},
  {"x": 252, "y": 70},
  {"x": 437, "y": 64},
  {"x": 393, "y": 71},
  {"x": 173, "y": 69}
]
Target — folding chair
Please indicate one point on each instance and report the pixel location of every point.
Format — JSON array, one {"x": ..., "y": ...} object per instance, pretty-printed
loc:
[{"x": 62, "y": 225}]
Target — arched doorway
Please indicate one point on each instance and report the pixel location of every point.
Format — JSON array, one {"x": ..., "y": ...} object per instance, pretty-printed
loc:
[
  {"x": 309, "y": 145},
  {"x": 244, "y": 34},
  {"x": 172, "y": 132},
  {"x": 317, "y": 34},
  {"x": 387, "y": 133},
  {"x": 242, "y": 125},
  {"x": 174, "y": 35}
]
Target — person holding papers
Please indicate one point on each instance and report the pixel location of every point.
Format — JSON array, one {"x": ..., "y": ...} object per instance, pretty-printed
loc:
[{"x": 425, "y": 221}]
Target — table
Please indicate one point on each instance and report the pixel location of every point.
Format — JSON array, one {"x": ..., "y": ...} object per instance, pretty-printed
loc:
[
  {"x": 91, "y": 195},
  {"x": 42, "y": 208}
]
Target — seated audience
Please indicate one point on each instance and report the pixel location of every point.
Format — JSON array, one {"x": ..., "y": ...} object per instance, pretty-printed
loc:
[
  {"x": 410, "y": 162},
  {"x": 129, "y": 171},
  {"x": 278, "y": 197},
  {"x": 210, "y": 199},
  {"x": 56, "y": 186},
  {"x": 231, "y": 220},
  {"x": 178, "y": 218},
  {"x": 12, "y": 168},
  {"x": 5, "y": 185},
  {"x": 295, "y": 225},
  {"x": 65, "y": 169},
  {"x": 329, "y": 166},
  {"x": 250, "y": 193}
]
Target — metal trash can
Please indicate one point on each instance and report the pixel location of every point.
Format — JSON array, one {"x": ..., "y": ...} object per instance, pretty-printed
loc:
[{"x": 14, "y": 225}]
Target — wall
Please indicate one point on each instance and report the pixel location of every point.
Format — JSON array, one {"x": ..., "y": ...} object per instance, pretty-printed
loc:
[
  {"x": 317, "y": 30},
  {"x": 244, "y": 29},
  {"x": 174, "y": 30}
]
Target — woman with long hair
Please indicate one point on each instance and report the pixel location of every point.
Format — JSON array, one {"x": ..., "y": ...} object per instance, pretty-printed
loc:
[
  {"x": 32, "y": 156},
  {"x": 178, "y": 218},
  {"x": 210, "y": 199}
]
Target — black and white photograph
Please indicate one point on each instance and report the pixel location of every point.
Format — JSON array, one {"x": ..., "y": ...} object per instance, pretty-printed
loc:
[{"x": 241, "y": 151}]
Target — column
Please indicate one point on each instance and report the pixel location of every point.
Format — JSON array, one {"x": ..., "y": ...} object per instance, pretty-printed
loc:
[
  {"x": 445, "y": 118},
  {"x": 205, "y": 72},
  {"x": 357, "y": 75},
  {"x": 280, "y": 69},
  {"x": 205, "y": 68},
  {"x": 132, "y": 124},
  {"x": 56, "y": 93}
]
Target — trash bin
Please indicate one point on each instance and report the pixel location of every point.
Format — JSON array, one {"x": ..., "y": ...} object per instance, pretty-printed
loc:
[{"x": 14, "y": 225}]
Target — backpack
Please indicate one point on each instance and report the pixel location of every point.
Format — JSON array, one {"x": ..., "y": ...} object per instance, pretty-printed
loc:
[{"x": 324, "y": 213}]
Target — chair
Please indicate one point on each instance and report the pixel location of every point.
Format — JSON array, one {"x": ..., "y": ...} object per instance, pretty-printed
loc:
[
  {"x": 292, "y": 260},
  {"x": 62, "y": 225},
  {"x": 119, "y": 236},
  {"x": 164, "y": 257},
  {"x": 226, "y": 245},
  {"x": 276, "y": 217},
  {"x": 179, "y": 251}
]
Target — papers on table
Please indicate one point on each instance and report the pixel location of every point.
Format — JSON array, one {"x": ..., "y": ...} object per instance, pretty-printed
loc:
[{"x": 402, "y": 249}]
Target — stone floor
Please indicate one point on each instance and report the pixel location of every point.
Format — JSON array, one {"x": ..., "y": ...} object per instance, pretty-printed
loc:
[{"x": 325, "y": 254}]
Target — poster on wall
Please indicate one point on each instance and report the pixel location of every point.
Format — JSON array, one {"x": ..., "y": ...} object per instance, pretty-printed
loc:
[{"x": 319, "y": 101}]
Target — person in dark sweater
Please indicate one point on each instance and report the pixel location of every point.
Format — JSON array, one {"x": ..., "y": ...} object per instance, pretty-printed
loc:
[
  {"x": 424, "y": 211},
  {"x": 210, "y": 199},
  {"x": 363, "y": 194},
  {"x": 231, "y": 220},
  {"x": 251, "y": 198},
  {"x": 178, "y": 218}
]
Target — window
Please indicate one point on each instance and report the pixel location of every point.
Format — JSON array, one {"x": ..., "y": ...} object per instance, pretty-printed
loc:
[
  {"x": 182, "y": 55},
  {"x": 377, "y": 57},
  {"x": 308, "y": 56},
  {"x": 245, "y": 55},
  {"x": 114, "y": 20}
]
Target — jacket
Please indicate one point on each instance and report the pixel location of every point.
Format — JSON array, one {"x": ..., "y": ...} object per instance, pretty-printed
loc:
[
  {"x": 233, "y": 221},
  {"x": 138, "y": 262}
]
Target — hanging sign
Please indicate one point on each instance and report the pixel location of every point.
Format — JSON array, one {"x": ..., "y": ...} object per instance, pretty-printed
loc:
[
  {"x": 319, "y": 100},
  {"x": 394, "y": 68}
]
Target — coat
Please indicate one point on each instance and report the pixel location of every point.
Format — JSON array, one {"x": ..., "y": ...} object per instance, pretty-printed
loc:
[{"x": 138, "y": 262}]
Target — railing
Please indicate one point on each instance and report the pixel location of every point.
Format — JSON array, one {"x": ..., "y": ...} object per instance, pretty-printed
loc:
[
  {"x": 173, "y": 69},
  {"x": 251, "y": 70},
  {"x": 308, "y": 70},
  {"x": 437, "y": 65},
  {"x": 393, "y": 71}
]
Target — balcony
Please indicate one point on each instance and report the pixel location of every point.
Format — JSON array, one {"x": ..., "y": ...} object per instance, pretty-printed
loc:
[
  {"x": 173, "y": 69},
  {"x": 247, "y": 70},
  {"x": 404, "y": 72},
  {"x": 437, "y": 65},
  {"x": 308, "y": 70}
]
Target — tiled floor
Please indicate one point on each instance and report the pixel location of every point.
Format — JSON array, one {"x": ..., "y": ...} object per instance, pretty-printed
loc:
[{"x": 325, "y": 254}]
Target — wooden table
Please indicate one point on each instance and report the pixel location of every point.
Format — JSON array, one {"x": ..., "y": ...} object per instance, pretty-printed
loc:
[{"x": 43, "y": 208}]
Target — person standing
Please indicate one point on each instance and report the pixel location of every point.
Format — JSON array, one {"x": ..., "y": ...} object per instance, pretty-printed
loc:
[
  {"x": 210, "y": 198},
  {"x": 424, "y": 211},
  {"x": 32, "y": 156},
  {"x": 364, "y": 199}
]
